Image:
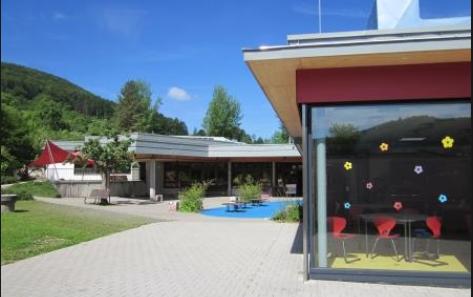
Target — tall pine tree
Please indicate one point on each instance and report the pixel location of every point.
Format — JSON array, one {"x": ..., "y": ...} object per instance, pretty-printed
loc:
[{"x": 133, "y": 110}]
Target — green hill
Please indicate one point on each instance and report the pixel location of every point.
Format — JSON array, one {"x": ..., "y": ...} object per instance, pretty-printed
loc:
[
  {"x": 38, "y": 106},
  {"x": 27, "y": 84}
]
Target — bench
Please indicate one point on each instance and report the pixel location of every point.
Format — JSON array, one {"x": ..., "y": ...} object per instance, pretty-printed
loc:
[
  {"x": 98, "y": 194},
  {"x": 8, "y": 202}
]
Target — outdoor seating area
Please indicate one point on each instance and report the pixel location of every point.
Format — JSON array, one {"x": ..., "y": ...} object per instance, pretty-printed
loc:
[
  {"x": 398, "y": 241},
  {"x": 263, "y": 208}
]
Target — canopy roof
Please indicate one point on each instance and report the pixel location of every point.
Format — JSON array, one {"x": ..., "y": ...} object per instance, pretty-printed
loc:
[{"x": 52, "y": 154}]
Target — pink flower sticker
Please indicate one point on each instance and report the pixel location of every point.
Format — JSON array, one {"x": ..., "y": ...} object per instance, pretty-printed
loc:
[
  {"x": 398, "y": 206},
  {"x": 369, "y": 185}
]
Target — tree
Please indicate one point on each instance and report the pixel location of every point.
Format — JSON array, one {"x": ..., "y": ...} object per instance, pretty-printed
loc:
[
  {"x": 259, "y": 140},
  {"x": 280, "y": 136},
  {"x": 50, "y": 113},
  {"x": 200, "y": 132},
  {"x": 132, "y": 114},
  {"x": 223, "y": 117},
  {"x": 17, "y": 148},
  {"x": 109, "y": 155}
]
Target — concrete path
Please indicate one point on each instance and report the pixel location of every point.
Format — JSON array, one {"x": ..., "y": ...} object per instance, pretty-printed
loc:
[
  {"x": 146, "y": 208},
  {"x": 189, "y": 257}
]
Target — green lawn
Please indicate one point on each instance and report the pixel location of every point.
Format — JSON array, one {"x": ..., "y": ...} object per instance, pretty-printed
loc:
[{"x": 39, "y": 227}]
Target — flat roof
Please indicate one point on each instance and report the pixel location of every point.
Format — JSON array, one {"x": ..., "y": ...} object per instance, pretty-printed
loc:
[
  {"x": 152, "y": 146},
  {"x": 274, "y": 67}
]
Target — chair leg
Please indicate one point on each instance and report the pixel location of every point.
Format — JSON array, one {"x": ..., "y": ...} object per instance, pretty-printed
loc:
[
  {"x": 438, "y": 248},
  {"x": 374, "y": 246},
  {"x": 344, "y": 251},
  {"x": 427, "y": 247},
  {"x": 395, "y": 250}
]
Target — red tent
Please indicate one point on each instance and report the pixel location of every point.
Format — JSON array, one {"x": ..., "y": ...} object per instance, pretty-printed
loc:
[{"x": 52, "y": 154}]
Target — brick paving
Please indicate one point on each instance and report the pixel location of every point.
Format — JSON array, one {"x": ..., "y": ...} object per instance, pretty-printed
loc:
[{"x": 189, "y": 256}]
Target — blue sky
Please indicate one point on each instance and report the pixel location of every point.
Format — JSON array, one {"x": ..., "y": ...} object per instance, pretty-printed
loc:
[{"x": 181, "y": 48}]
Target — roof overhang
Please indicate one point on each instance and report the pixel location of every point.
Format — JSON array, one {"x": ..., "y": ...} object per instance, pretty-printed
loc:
[{"x": 275, "y": 67}]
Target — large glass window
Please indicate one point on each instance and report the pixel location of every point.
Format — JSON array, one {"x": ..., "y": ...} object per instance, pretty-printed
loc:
[
  {"x": 182, "y": 174},
  {"x": 392, "y": 187},
  {"x": 260, "y": 172},
  {"x": 288, "y": 174}
]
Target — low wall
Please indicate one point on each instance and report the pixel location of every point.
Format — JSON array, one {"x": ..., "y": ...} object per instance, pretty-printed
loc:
[{"x": 82, "y": 189}]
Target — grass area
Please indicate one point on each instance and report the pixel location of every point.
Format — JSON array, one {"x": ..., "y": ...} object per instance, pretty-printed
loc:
[
  {"x": 39, "y": 227},
  {"x": 33, "y": 188}
]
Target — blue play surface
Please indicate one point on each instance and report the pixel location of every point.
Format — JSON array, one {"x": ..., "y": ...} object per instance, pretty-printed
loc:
[{"x": 264, "y": 211}]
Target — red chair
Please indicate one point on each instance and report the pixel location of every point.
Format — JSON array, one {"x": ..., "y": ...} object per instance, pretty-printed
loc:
[
  {"x": 435, "y": 226},
  {"x": 337, "y": 225},
  {"x": 385, "y": 225}
]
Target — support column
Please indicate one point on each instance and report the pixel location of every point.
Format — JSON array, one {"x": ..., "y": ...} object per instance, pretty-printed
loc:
[
  {"x": 229, "y": 178},
  {"x": 152, "y": 179},
  {"x": 273, "y": 180}
]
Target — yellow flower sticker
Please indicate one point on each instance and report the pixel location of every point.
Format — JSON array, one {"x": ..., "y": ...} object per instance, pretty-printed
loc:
[
  {"x": 384, "y": 147},
  {"x": 447, "y": 142},
  {"x": 348, "y": 166}
]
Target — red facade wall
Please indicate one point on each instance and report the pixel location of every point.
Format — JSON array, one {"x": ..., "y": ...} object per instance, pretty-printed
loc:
[{"x": 384, "y": 83}]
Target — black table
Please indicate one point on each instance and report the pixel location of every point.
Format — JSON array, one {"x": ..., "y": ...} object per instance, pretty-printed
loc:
[{"x": 405, "y": 219}]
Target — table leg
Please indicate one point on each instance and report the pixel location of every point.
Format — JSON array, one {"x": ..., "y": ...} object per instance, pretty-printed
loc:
[
  {"x": 409, "y": 227},
  {"x": 366, "y": 238},
  {"x": 406, "y": 243}
]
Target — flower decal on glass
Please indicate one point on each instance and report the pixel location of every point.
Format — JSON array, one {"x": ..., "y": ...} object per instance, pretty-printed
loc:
[
  {"x": 369, "y": 185},
  {"x": 348, "y": 166},
  {"x": 447, "y": 142},
  {"x": 418, "y": 169},
  {"x": 398, "y": 206},
  {"x": 443, "y": 198},
  {"x": 347, "y": 205},
  {"x": 384, "y": 147}
]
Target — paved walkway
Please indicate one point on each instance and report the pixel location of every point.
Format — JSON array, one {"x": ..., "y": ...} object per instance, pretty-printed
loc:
[
  {"x": 146, "y": 208},
  {"x": 188, "y": 257}
]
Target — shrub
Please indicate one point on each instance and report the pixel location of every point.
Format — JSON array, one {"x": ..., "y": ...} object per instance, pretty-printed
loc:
[
  {"x": 291, "y": 213},
  {"x": 42, "y": 189},
  {"x": 21, "y": 195},
  {"x": 249, "y": 191},
  {"x": 191, "y": 199},
  {"x": 9, "y": 180}
]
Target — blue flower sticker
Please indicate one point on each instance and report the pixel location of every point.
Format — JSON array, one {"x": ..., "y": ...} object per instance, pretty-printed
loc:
[
  {"x": 347, "y": 205},
  {"x": 443, "y": 198}
]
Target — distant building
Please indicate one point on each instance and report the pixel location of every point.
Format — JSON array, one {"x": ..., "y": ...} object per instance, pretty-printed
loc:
[{"x": 167, "y": 165}]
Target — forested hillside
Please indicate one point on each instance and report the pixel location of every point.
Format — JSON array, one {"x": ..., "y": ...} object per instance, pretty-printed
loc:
[
  {"x": 27, "y": 84},
  {"x": 36, "y": 106}
]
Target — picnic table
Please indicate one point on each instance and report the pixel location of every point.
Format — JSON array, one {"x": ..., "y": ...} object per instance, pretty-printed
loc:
[
  {"x": 256, "y": 202},
  {"x": 235, "y": 205}
]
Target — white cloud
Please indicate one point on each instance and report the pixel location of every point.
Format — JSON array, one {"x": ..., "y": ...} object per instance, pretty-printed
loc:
[
  {"x": 59, "y": 16},
  {"x": 179, "y": 94}
]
